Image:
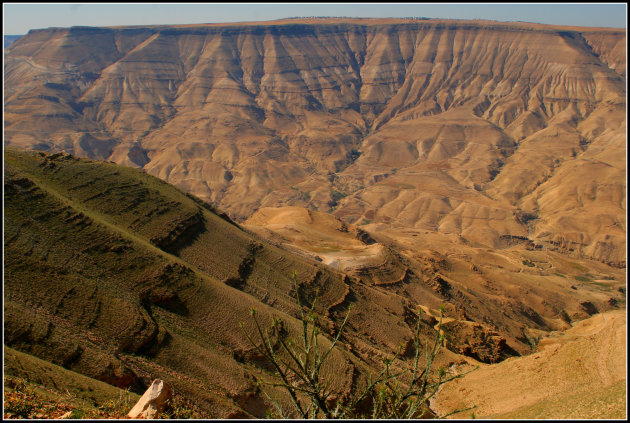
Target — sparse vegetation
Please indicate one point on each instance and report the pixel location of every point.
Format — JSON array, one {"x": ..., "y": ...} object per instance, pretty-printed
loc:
[
  {"x": 336, "y": 195},
  {"x": 26, "y": 400},
  {"x": 582, "y": 278},
  {"x": 531, "y": 339},
  {"x": 304, "y": 195},
  {"x": 118, "y": 407},
  {"x": 600, "y": 285},
  {"x": 298, "y": 364},
  {"x": 117, "y": 276},
  {"x": 179, "y": 408},
  {"x": 578, "y": 266},
  {"x": 20, "y": 401},
  {"x": 80, "y": 246},
  {"x": 353, "y": 154}
]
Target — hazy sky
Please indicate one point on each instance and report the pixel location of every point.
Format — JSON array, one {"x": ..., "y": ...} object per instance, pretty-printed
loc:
[{"x": 20, "y": 17}]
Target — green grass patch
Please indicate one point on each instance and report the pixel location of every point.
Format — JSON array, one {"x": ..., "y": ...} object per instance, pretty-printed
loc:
[
  {"x": 579, "y": 266},
  {"x": 406, "y": 186},
  {"x": 304, "y": 194},
  {"x": 601, "y": 285},
  {"x": 582, "y": 278},
  {"x": 337, "y": 195}
]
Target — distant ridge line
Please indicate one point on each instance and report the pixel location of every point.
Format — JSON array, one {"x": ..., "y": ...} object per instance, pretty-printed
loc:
[{"x": 324, "y": 21}]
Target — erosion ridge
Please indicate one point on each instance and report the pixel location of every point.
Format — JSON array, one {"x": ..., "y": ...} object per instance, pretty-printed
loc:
[
  {"x": 519, "y": 282},
  {"x": 392, "y": 163},
  {"x": 87, "y": 289},
  {"x": 430, "y": 124}
]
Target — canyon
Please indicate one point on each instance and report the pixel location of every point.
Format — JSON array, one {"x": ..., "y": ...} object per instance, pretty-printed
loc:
[
  {"x": 434, "y": 126},
  {"x": 399, "y": 162}
]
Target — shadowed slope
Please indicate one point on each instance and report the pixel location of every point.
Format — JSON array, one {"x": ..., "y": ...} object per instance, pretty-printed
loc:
[
  {"x": 114, "y": 274},
  {"x": 65, "y": 390}
]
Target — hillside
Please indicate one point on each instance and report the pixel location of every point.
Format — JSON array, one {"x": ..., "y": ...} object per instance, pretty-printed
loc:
[
  {"x": 579, "y": 374},
  {"x": 469, "y": 129},
  {"x": 162, "y": 180},
  {"x": 114, "y": 274},
  {"x": 518, "y": 290},
  {"x": 9, "y": 39}
]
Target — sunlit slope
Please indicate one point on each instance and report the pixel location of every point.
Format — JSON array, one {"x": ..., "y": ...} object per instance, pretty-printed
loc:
[
  {"x": 579, "y": 374},
  {"x": 453, "y": 126},
  {"x": 518, "y": 289}
]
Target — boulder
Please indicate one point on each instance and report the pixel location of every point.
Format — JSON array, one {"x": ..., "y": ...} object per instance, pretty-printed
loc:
[{"x": 152, "y": 403}]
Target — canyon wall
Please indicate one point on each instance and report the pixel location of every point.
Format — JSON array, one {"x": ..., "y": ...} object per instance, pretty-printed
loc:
[{"x": 473, "y": 130}]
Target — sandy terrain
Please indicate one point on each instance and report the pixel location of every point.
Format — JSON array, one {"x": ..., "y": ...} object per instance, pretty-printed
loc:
[
  {"x": 487, "y": 159},
  {"x": 319, "y": 235},
  {"x": 580, "y": 373}
]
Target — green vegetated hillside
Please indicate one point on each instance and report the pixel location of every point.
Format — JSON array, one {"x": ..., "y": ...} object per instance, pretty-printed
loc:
[{"x": 118, "y": 276}]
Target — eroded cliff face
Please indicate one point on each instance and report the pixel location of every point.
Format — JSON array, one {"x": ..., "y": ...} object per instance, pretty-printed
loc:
[{"x": 473, "y": 130}]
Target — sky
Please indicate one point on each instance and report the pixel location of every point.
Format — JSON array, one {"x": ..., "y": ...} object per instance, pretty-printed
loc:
[{"x": 19, "y": 18}]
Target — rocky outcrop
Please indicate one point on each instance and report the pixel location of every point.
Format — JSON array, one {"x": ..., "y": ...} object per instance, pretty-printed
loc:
[
  {"x": 176, "y": 235},
  {"x": 476, "y": 340},
  {"x": 365, "y": 237},
  {"x": 245, "y": 267},
  {"x": 589, "y": 308},
  {"x": 153, "y": 402}
]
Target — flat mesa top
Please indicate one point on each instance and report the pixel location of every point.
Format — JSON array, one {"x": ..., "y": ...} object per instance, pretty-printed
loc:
[{"x": 386, "y": 21}]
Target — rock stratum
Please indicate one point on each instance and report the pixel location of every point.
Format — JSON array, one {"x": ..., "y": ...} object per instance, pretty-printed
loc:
[
  {"x": 470, "y": 133},
  {"x": 112, "y": 275}
]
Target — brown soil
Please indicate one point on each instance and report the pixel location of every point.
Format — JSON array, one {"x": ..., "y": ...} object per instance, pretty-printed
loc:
[
  {"x": 473, "y": 129},
  {"x": 485, "y": 159},
  {"x": 580, "y": 373},
  {"x": 320, "y": 235}
]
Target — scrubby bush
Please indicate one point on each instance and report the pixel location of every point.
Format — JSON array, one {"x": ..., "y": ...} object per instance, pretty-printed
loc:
[
  {"x": 298, "y": 364},
  {"x": 528, "y": 263}
]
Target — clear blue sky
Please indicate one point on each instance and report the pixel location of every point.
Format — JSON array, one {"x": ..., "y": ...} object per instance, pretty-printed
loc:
[{"x": 19, "y": 18}]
